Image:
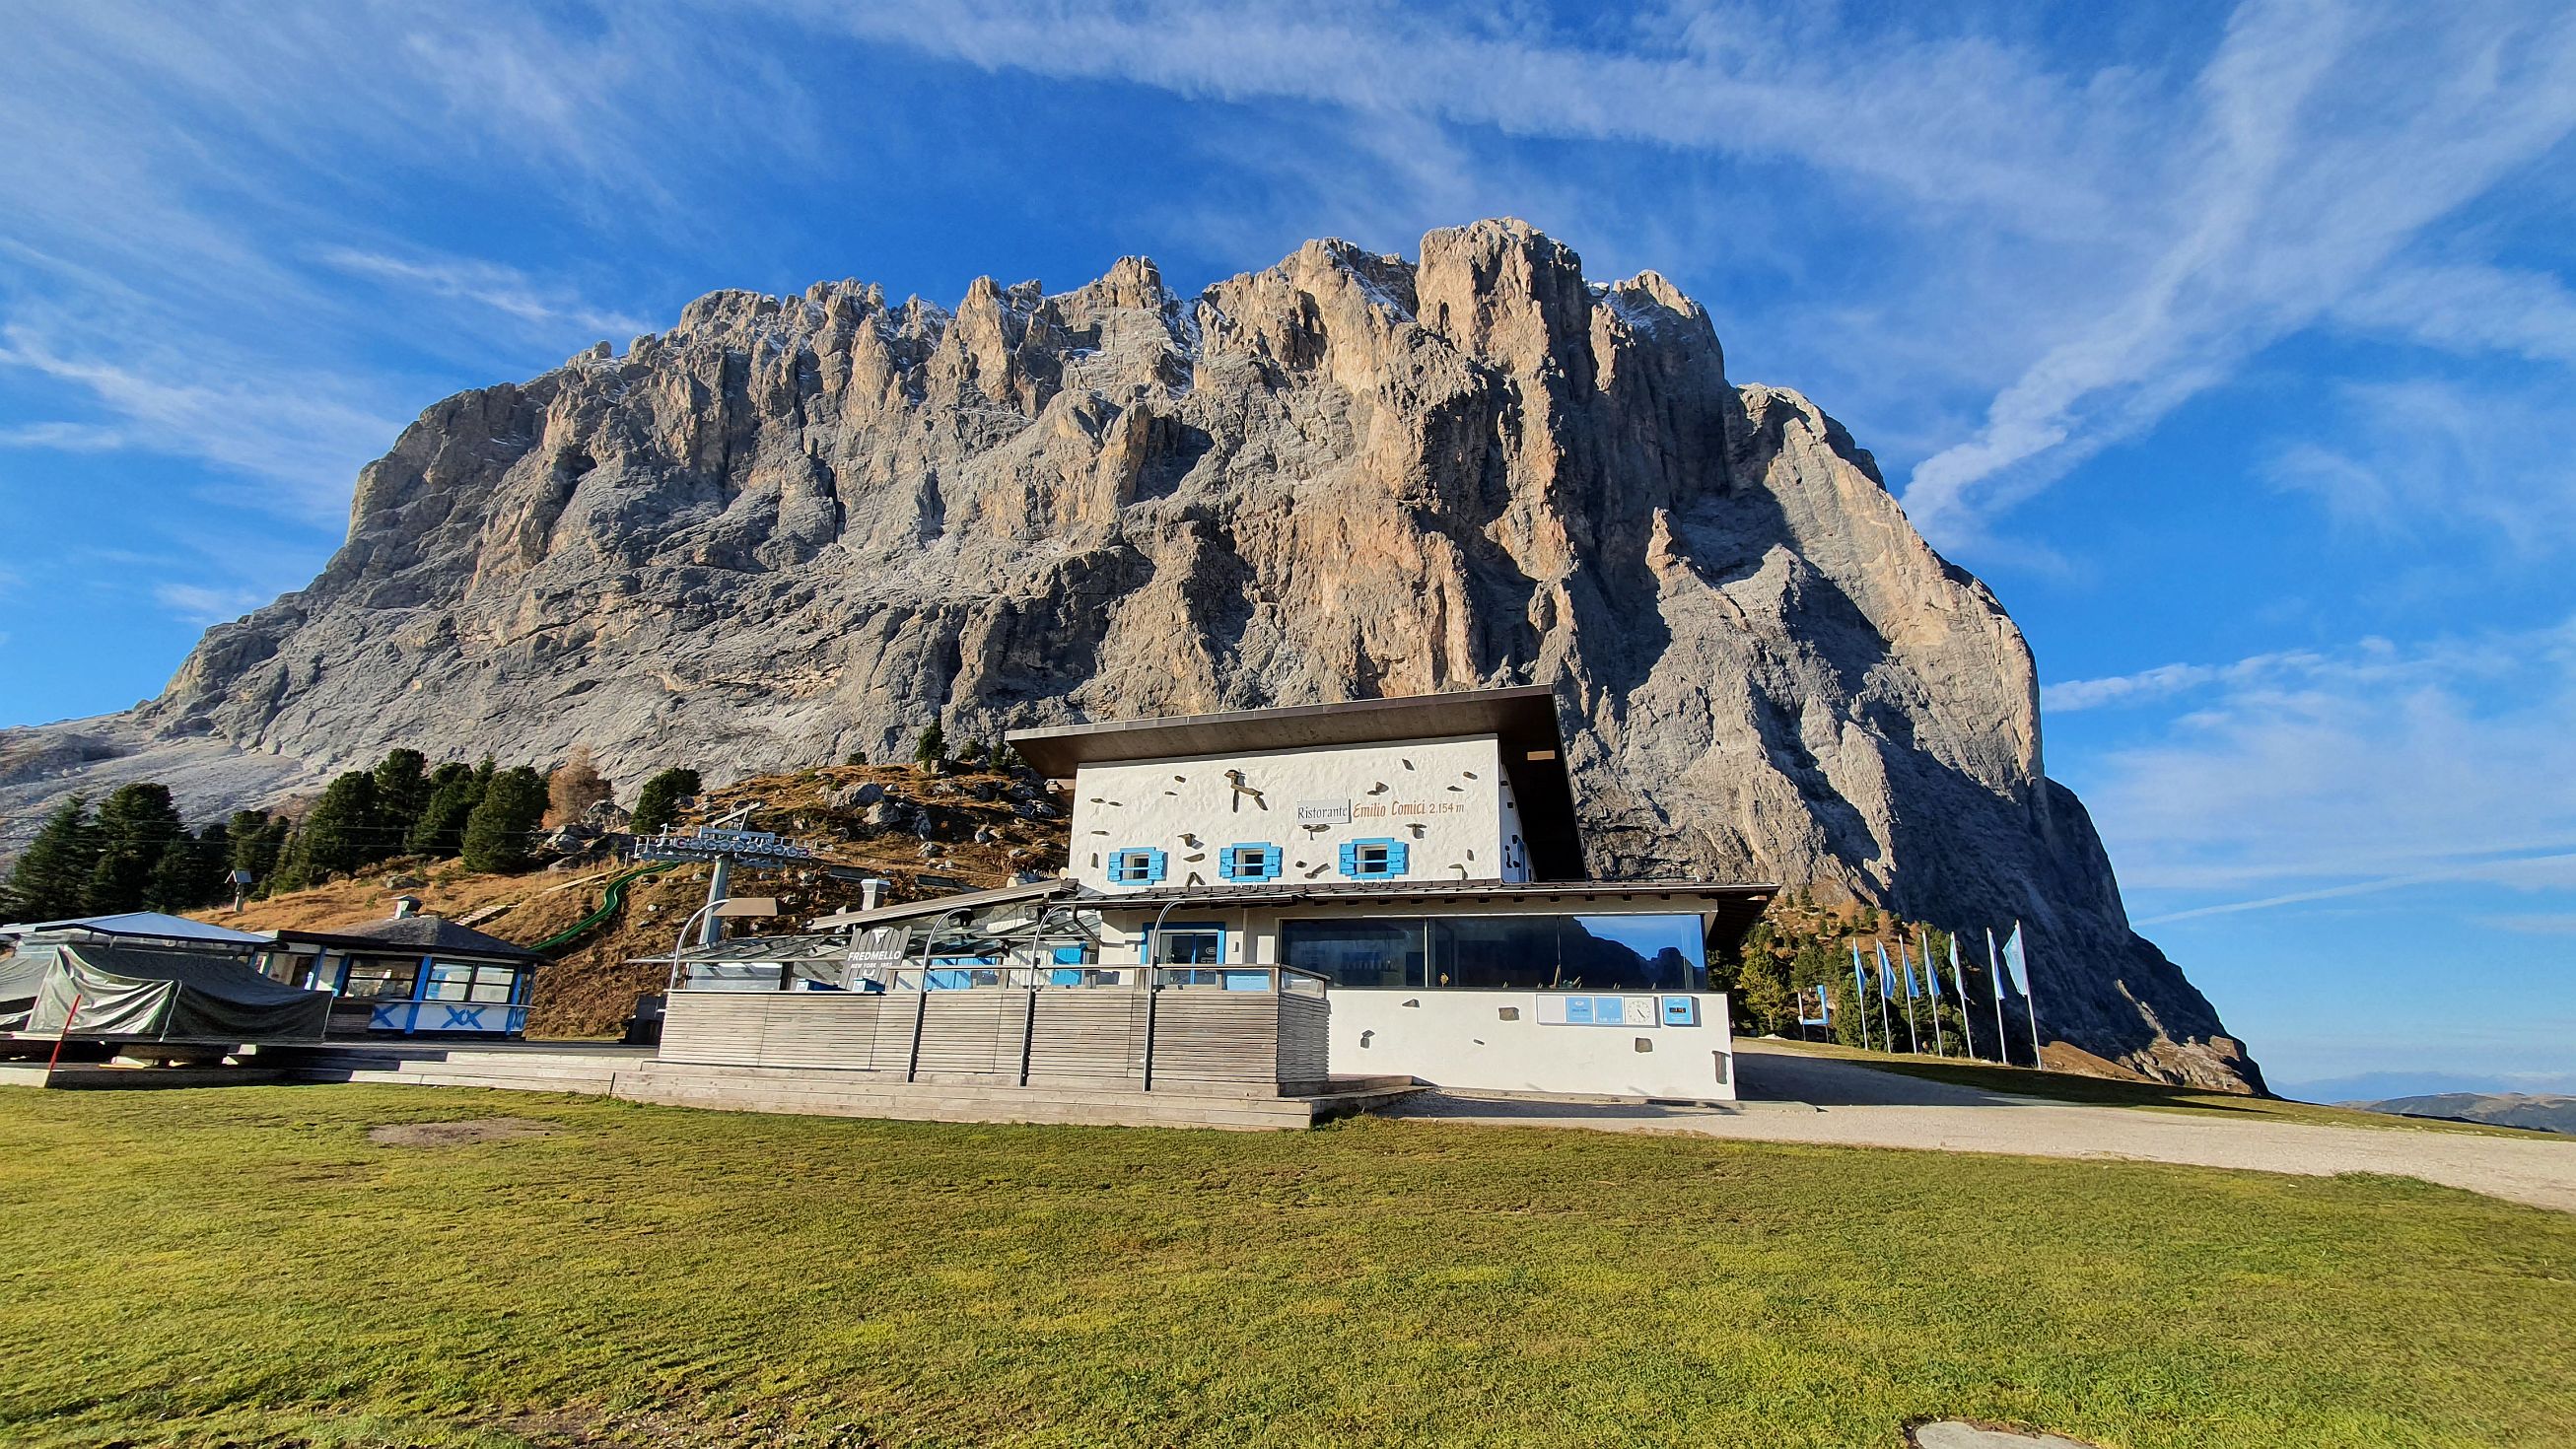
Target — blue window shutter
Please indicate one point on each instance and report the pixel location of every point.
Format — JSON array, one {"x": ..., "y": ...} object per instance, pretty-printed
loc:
[
  {"x": 1351, "y": 861},
  {"x": 1270, "y": 862},
  {"x": 1395, "y": 858},
  {"x": 1230, "y": 863},
  {"x": 1153, "y": 867}
]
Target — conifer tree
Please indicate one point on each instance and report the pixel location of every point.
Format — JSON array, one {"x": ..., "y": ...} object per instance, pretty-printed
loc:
[
  {"x": 179, "y": 880},
  {"x": 402, "y": 788},
  {"x": 136, "y": 824},
  {"x": 931, "y": 748},
  {"x": 455, "y": 789},
  {"x": 336, "y": 836},
  {"x": 499, "y": 833},
  {"x": 48, "y": 879},
  {"x": 657, "y": 802},
  {"x": 255, "y": 841}
]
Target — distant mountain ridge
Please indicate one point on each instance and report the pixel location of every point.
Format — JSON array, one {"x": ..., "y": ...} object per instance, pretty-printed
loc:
[
  {"x": 795, "y": 528},
  {"x": 2542, "y": 1111}
]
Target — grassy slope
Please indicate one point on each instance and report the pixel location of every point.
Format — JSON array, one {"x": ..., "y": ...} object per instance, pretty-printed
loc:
[
  {"x": 244, "y": 1267},
  {"x": 2110, "y": 1092}
]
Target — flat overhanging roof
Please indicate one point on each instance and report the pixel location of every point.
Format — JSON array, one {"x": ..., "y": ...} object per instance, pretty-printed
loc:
[{"x": 1522, "y": 719}]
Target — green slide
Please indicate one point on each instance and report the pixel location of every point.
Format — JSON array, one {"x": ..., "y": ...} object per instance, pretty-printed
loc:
[{"x": 611, "y": 902}]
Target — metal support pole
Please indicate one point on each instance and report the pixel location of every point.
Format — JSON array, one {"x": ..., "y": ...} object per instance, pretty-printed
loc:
[
  {"x": 1913, "y": 1040},
  {"x": 2029, "y": 993},
  {"x": 719, "y": 885},
  {"x": 1886, "y": 1033},
  {"x": 69, "y": 1017},
  {"x": 1994, "y": 974}
]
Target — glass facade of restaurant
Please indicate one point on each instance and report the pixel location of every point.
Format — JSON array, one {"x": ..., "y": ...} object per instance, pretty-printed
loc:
[{"x": 1502, "y": 953}]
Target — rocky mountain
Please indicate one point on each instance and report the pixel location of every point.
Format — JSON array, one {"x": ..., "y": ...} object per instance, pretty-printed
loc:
[{"x": 792, "y": 529}]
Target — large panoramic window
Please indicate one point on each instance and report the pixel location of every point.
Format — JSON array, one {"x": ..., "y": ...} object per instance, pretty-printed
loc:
[
  {"x": 1502, "y": 953},
  {"x": 1386, "y": 953}
]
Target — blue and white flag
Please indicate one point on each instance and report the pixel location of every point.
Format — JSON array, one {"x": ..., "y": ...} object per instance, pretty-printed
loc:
[
  {"x": 1858, "y": 985},
  {"x": 1932, "y": 968},
  {"x": 2014, "y": 962},
  {"x": 1886, "y": 973},
  {"x": 1958, "y": 973},
  {"x": 1994, "y": 965},
  {"x": 1905, "y": 966}
]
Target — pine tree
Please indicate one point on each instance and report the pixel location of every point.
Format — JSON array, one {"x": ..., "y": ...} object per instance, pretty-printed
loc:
[
  {"x": 931, "y": 748},
  {"x": 180, "y": 880},
  {"x": 573, "y": 787},
  {"x": 440, "y": 828},
  {"x": 503, "y": 827},
  {"x": 337, "y": 835},
  {"x": 47, "y": 882},
  {"x": 256, "y": 841},
  {"x": 402, "y": 788},
  {"x": 136, "y": 823},
  {"x": 657, "y": 803}
]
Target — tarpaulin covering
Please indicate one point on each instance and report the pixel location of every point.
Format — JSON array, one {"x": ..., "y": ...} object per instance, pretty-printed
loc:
[
  {"x": 172, "y": 996},
  {"x": 22, "y": 975}
]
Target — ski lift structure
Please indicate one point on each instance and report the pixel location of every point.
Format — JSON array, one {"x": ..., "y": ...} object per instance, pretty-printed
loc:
[{"x": 725, "y": 844}]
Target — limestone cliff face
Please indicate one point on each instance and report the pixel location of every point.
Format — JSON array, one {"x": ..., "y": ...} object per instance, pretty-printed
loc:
[{"x": 794, "y": 528}]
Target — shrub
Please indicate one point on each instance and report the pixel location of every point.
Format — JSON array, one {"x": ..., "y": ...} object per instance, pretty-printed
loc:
[{"x": 574, "y": 787}]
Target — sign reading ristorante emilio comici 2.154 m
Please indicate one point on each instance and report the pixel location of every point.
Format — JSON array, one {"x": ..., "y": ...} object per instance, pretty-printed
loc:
[{"x": 1343, "y": 812}]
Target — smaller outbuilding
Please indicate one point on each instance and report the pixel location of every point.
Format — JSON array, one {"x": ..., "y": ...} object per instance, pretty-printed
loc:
[
  {"x": 411, "y": 976},
  {"x": 142, "y": 978}
]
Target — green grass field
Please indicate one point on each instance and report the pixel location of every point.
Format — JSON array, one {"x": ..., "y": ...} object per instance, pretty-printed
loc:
[{"x": 244, "y": 1267}]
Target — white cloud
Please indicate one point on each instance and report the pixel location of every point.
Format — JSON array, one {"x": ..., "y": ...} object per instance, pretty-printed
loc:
[
  {"x": 2319, "y": 776},
  {"x": 207, "y": 604},
  {"x": 2471, "y": 308},
  {"x": 2324, "y": 146},
  {"x": 2429, "y": 456},
  {"x": 298, "y": 429},
  {"x": 2534, "y": 923},
  {"x": 63, "y": 437},
  {"x": 506, "y": 290}
]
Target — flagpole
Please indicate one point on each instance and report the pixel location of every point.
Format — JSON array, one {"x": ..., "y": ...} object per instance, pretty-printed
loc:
[
  {"x": 1967, "y": 1006},
  {"x": 1995, "y": 973},
  {"x": 1913, "y": 1038},
  {"x": 1932, "y": 978},
  {"x": 2029, "y": 991},
  {"x": 1860, "y": 998},
  {"x": 1886, "y": 1033}
]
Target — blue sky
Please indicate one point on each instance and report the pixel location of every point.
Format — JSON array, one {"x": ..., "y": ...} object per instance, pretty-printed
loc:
[{"x": 2232, "y": 345}]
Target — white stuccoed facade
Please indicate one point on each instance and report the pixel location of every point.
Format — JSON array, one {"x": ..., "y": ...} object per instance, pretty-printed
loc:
[{"x": 1445, "y": 800}]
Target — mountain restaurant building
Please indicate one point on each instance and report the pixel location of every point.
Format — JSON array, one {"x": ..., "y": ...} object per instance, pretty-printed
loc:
[{"x": 1419, "y": 856}]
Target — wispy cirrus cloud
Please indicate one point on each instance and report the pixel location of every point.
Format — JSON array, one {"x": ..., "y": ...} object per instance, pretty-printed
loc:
[
  {"x": 302, "y": 431},
  {"x": 2301, "y": 777},
  {"x": 488, "y": 285}
]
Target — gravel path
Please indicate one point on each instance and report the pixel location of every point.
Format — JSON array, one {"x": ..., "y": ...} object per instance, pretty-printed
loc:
[{"x": 1790, "y": 1098}]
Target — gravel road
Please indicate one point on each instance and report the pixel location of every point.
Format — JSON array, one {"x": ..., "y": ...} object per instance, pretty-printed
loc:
[{"x": 1793, "y": 1098}]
